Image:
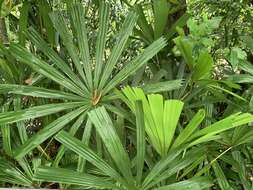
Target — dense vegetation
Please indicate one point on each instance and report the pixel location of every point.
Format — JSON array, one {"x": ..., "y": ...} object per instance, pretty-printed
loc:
[{"x": 126, "y": 94}]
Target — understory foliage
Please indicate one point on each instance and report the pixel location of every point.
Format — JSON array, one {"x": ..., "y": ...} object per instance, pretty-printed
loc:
[{"x": 129, "y": 94}]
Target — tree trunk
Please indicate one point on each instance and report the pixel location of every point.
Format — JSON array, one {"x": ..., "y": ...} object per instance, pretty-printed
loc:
[{"x": 3, "y": 32}]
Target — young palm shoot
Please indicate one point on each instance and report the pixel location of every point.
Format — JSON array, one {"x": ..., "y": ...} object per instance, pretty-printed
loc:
[{"x": 162, "y": 117}]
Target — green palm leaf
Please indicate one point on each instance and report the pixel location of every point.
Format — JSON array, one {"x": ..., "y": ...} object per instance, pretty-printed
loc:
[
  {"x": 164, "y": 86},
  {"x": 221, "y": 178},
  {"x": 178, "y": 164},
  {"x": 61, "y": 26},
  {"x": 197, "y": 183},
  {"x": 78, "y": 25},
  {"x": 161, "y": 166},
  {"x": 203, "y": 66},
  {"x": 101, "y": 40},
  {"x": 43, "y": 68},
  {"x": 104, "y": 126},
  {"x": 37, "y": 92},
  {"x": 190, "y": 128},
  {"x": 65, "y": 176},
  {"x": 78, "y": 147},
  {"x": 140, "y": 133},
  {"x": 136, "y": 63},
  {"x": 72, "y": 132},
  {"x": 161, "y": 12},
  {"x": 123, "y": 36},
  {"x": 161, "y": 117},
  {"x": 46, "y": 132},
  {"x": 85, "y": 139},
  {"x": 36, "y": 111},
  {"x": 38, "y": 41},
  {"x": 224, "y": 124},
  {"x": 11, "y": 174},
  {"x": 6, "y": 134},
  {"x": 185, "y": 46}
]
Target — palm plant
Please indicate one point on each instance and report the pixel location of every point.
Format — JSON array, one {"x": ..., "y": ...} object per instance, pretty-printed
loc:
[
  {"x": 159, "y": 119},
  {"x": 122, "y": 173},
  {"x": 85, "y": 83}
]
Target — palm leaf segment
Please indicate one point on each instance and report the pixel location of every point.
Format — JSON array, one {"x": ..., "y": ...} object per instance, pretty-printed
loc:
[{"x": 84, "y": 83}]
